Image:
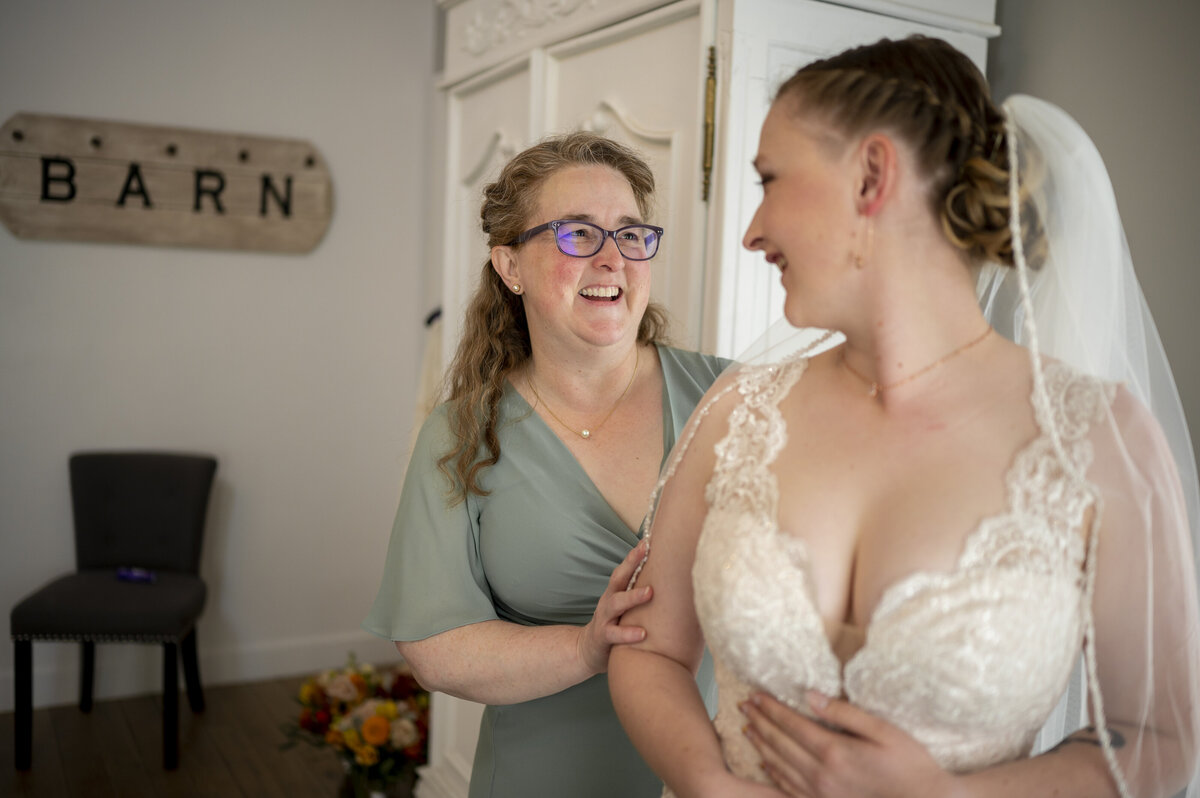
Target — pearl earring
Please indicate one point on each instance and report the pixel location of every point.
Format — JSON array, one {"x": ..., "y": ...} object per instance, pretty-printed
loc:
[{"x": 516, "y": 287}]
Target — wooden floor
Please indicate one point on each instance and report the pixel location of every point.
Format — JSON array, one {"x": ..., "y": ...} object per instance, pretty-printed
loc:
[{"x": 231, "y": 749}]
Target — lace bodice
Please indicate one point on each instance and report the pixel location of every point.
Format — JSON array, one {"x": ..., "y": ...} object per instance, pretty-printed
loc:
[{"x": 969, "y": 662}]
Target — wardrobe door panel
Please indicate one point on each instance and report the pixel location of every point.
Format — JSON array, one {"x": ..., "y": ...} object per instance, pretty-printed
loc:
[{"x": 489, "y": 122}]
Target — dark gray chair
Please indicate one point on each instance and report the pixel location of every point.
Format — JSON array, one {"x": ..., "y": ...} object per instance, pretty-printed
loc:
[{"x": 132, "y": 509}]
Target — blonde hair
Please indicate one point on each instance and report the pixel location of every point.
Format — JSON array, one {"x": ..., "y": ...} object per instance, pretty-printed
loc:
[
  {"x": 933, "y": 97},
  {"x": 495, "y": 333}
]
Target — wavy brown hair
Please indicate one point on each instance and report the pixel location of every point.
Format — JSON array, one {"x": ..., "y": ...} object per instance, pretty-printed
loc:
[
  {"x": 933, "y": 98},
  {"x": 495, "y": 333}
]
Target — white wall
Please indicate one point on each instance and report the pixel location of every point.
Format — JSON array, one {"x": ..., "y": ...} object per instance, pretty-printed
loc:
[
  {"x": 1128, "y": 72},
  {"x": 297, "y": 372}
]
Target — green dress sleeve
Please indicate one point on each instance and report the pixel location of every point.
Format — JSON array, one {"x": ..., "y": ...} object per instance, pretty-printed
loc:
[{"x": 433, "y": 577}]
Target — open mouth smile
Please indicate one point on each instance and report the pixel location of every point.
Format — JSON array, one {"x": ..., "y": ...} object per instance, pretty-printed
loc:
[{"x": 601, "y": 293}]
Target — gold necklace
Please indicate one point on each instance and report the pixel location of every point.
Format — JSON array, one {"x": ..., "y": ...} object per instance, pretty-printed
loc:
[
  {"x": 587, "y": 433},
  {"x": 877, "y": 389}
]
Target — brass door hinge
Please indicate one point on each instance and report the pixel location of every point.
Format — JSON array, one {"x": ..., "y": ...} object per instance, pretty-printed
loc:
[{"x": 710, "y": 120}]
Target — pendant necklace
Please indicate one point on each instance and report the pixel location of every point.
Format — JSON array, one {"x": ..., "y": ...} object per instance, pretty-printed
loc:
[
  {"x": 877, "y": 389},
  {"x": 586, "y": 433}
]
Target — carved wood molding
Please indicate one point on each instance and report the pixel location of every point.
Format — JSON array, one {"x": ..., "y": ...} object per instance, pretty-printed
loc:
[
  {"x": 497, "y": 145},
  {"x": 601, "y": 122},
  {"x": 511, "y": 18}
]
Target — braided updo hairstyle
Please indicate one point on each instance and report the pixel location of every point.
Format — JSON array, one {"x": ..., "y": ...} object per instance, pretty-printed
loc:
[
  {"x": 495, "y": 334},
  {"x": 933, "y": 98}
]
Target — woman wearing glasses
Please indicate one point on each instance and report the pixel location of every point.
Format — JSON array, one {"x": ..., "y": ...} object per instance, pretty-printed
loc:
[{"x": 516, "y": 532}]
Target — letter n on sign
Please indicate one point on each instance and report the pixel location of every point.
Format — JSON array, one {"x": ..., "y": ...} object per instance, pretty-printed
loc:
[{"x": 91, "y": 180}]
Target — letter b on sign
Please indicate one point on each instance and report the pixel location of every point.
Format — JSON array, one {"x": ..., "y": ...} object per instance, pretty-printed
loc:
[{"x": 58, "y": 171}]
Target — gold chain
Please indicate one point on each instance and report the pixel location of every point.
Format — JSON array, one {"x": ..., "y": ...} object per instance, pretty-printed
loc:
[
  {"x": 587, "y": 433},
  {"x": 877, "y": 389}
]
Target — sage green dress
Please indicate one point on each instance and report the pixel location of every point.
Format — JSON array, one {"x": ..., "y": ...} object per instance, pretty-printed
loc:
[{"x": 539, "y": 549}]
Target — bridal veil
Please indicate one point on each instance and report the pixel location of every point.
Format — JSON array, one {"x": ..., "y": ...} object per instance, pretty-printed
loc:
[{"x": 1074, "y": 296}]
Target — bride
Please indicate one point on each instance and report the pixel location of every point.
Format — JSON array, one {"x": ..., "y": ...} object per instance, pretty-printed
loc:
[{"x": 899, "y": 547}]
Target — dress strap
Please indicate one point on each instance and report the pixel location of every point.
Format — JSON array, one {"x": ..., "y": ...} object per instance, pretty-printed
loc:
[
  {"x": 685, "y": 441},
  {"x": 677, "y": 454}
]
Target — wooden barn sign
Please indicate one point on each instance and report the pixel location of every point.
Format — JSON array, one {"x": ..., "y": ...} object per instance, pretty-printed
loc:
[{"x": 91, "y": 180}]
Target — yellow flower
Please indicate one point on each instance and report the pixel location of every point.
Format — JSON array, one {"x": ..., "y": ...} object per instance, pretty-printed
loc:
[
  {"x": 387, "y": 709},
  {"x": 352, "y": 738},
  {"x": 335, "y": 738},
  {"x": 366, "y": 756},
  {"x": 309, "y": 693},
  {"x": 376, "y": 730}
]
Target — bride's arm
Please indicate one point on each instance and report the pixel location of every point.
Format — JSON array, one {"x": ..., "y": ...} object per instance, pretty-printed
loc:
[{"x": 653, "y": 682}]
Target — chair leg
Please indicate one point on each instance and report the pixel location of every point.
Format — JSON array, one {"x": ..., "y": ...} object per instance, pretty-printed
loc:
[
  {"x": 87, "y": 672},
  {"x": 191, "y": 672},
  {"x": 23, "y": 715},
  {"x": 170, "y": 730}
]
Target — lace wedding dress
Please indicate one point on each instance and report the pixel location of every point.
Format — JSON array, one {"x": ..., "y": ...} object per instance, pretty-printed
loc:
[{"x": 969, "y": 662}]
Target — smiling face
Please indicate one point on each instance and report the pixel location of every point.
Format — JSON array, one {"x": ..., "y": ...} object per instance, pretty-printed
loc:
[
  {"x": 598, "y": 300},
  {"x": 807, "y": 221}
]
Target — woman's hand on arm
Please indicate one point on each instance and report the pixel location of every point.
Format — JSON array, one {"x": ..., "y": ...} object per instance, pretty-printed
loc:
[
  {"x": 653, "y": 682},
  {"x": 498, "y": 662},
  {"x": 604, "y": 631}
]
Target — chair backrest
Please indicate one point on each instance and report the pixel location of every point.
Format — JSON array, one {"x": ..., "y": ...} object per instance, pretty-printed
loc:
[{"x": 141, "y": 509}]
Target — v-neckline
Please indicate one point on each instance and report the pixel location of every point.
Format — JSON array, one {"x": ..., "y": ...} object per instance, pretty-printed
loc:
[
  {"x": 668, "y": 440},
  {"x": 886, "y": 599}
]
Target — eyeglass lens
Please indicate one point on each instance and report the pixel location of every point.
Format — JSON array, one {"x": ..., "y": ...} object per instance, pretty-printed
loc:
[{"x": 582, "y": 240}]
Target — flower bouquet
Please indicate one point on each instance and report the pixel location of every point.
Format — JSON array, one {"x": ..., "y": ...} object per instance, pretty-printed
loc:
[{"x": 376, "y": 720}]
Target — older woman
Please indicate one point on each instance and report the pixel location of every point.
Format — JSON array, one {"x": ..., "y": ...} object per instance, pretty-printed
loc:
[
  {"x": 898, "y": 548},
  {"x": 516, "y": 531}
]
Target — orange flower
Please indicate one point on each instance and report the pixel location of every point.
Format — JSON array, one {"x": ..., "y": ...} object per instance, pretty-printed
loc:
[
  {"x": 359, "y": 683},
  {"x": 376, "y": 730},
  {"x": 334, "y": 738}
]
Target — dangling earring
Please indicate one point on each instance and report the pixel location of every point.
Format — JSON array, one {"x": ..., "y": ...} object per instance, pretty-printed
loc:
[
  {"x": 864, "y": 254},
  {"x": 516, "y": 288}
]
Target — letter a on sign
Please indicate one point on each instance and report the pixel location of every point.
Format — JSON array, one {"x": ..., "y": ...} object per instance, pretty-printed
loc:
[{"x": 91, "y": 180}]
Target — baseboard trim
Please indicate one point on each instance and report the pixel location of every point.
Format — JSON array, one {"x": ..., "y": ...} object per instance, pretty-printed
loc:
[{"x": 129, "y": 669}]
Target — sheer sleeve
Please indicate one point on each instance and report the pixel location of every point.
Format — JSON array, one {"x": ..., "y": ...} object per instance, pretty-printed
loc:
[{"x": 1146, "y": 630}]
